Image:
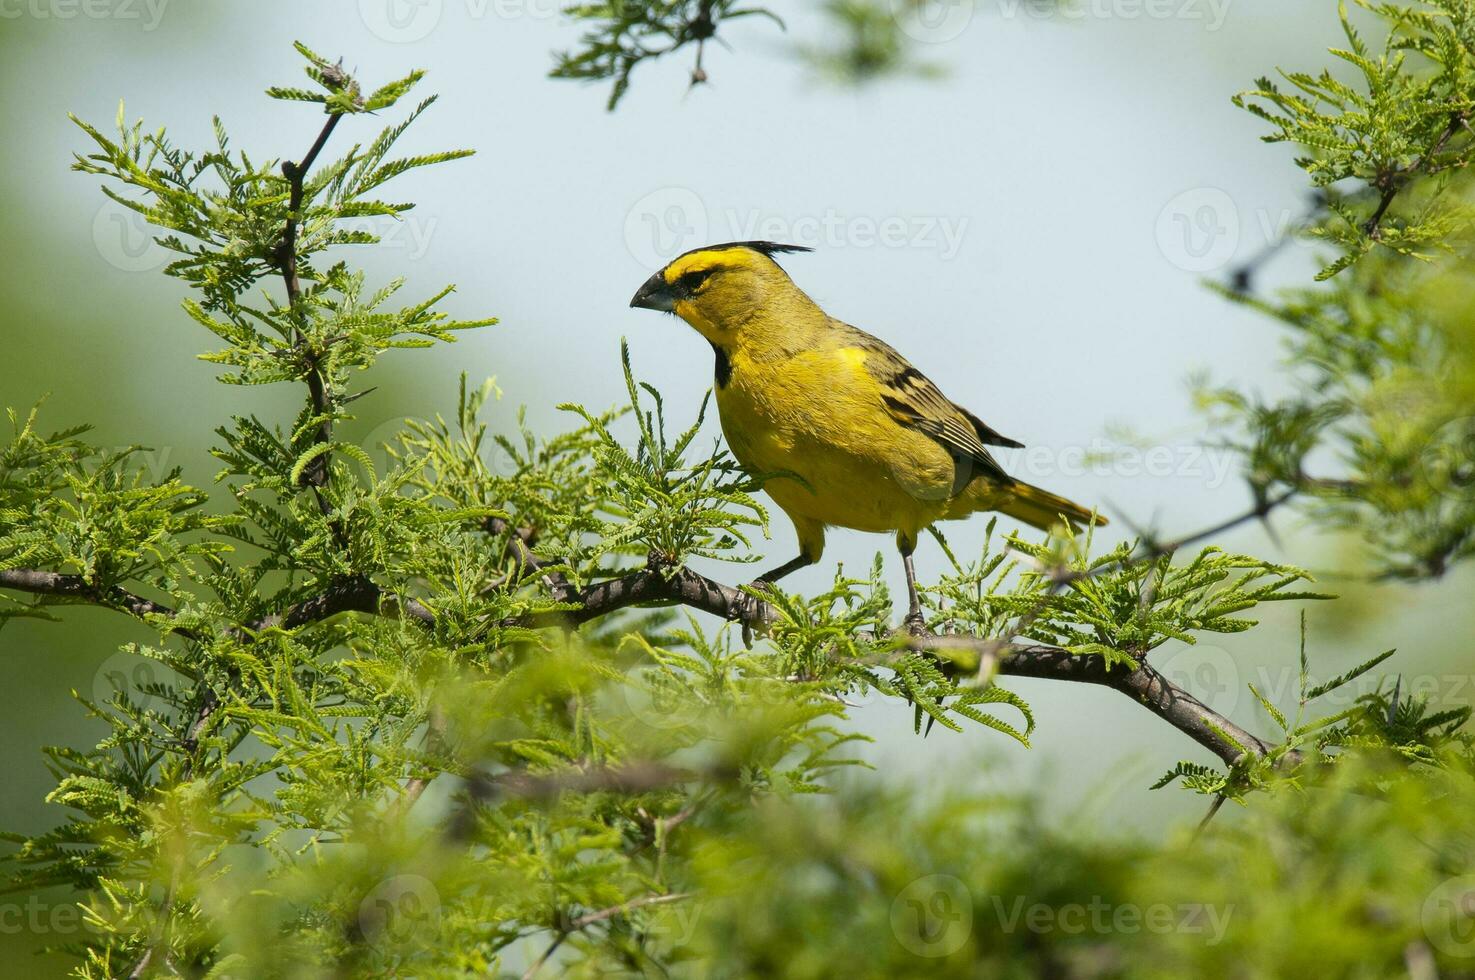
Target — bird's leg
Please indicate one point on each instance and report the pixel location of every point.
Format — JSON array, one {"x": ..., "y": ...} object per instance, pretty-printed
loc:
[
  {"x": 748, "y": 611},
  {"x": 792, "y": 565},
  {"x": 915, "y": 622}
]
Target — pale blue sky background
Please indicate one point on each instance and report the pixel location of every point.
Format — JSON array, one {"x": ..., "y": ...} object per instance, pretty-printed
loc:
[{"x": 1059, "y": 195}]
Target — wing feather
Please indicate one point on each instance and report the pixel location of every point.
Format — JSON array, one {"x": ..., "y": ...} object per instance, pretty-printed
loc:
[
  {"x": 989, "y": 435},
  {"x": 913, "y": 400}
]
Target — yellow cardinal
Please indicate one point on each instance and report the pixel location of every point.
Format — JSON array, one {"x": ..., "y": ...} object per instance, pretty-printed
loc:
[{"x": 870, "y": 442}]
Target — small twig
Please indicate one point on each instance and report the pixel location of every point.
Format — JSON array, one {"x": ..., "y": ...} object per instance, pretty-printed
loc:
[
  {"x": 633, "y": 777},
  {"x": 1213, "y": 809},
  {"x": 1390, "y": 184},
  {"x": 415, "y": 787},
  {"x": 1155, "y": 550},
  {"x": 140, "y": 968},
  {"x": 585, "y": 921},
  {"x": 558, "y": 939},
  {"x": 520, "y": 543}
]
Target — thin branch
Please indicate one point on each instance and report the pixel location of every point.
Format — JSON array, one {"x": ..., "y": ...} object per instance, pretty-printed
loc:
[
  {"x": 585, "y": 921},
  {"x": 520, "y": 541},
  {"x": 316, "y": 472},
  {"x": 1391, "y": 184},
  {"x": 1155, "y": 550},
  {"x": 683, "y": 586},
  {"x": 347, "y": 595},
  {"x": 1213, "y": 810},
  {"x": 537, "y": 964},
  {"x": 630, "y": 778},
  {"x": 140, "y": 968}
]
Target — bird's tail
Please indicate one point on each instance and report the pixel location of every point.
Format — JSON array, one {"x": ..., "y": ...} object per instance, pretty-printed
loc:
[{"x": 1043, "y": 509}]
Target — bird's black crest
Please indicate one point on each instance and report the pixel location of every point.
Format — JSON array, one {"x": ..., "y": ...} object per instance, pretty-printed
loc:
[{"x": 764, "y": 248}]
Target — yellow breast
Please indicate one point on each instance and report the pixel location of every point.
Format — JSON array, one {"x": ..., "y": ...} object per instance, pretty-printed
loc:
[{"x": 818, "y": 414}]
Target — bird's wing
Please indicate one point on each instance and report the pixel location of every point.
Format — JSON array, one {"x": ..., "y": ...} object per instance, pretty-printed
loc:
[
  {"x": 989, "y": 435},
  {"x": 912, "y": 399}
]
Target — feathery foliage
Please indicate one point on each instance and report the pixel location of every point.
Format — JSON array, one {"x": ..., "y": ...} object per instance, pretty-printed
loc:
[{"x": 417, "y": 716}]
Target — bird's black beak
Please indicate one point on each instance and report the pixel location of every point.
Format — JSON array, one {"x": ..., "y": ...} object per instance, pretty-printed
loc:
[{"x": 655, "y": 295}]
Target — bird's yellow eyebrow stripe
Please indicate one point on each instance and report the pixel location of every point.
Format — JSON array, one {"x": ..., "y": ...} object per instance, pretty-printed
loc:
[{"x": 695, "y": 262}]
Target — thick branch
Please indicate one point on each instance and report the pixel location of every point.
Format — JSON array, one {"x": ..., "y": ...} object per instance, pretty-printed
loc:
[
  {"x": 679, "y": 585},
  {"x": 352, "y": 595},
  {"x": 1147, "y": 687},
  {"x": 349, "y": 595},
  {"x": 661, "y": 585},
  {"x": 78, "y": 589}
]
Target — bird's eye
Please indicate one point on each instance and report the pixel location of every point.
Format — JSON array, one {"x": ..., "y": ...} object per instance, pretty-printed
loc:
[{"x": 692, "y": 280}]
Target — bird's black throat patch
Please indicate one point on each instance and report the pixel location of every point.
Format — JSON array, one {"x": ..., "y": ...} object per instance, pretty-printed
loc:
[{"x": 723, "y": 371}]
